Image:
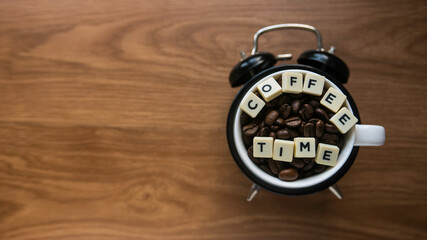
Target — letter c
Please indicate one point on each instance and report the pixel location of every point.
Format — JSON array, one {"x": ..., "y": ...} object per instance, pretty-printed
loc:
[{"x": 252, "y": 107}]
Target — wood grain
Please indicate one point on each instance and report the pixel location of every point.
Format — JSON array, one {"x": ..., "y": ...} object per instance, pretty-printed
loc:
[{"x": 112, "y": 120}]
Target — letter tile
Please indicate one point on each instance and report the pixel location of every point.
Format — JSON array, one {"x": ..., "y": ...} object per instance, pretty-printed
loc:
[
  {"x": 263, "y": 147},
  {"x": 313, "y": 84},
  {"x": 305, "y": 147},
  {"x": 327, "y": 154},
  {"x": 333, "y": 99},
  {"x": 292, "y": 82},
  {"x": 269, "y": 89},
  {"x": 344, "y": 120},
  {"x": 252, "y": 105},
  {"x": 283, "y": 150}
]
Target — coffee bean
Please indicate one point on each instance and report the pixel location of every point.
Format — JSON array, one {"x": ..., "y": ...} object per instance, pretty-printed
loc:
[
  {"x": 272, "y": 134},
  {"x": 293, "y": 133},
  {"x": 308, "y": 174},
  {"x": 251, "y": 156},
  {"x": 314, "y": 120},
  {"x": 341, "y": 142},
  {"x": 298, "y": 163},
  {"x": 314, "y": 103},
  {"x": 306, "y": 112},
  {"x": 293, "y": 122},
  {"x": 320, "y": 128},
  {"x": 288, "y": 174},
  {"x": 280, "y": 165},
  {"x": 247, "y": 140},
  {"x": 309, "y": 130},
  {"x": 321, "y": 114},
  {"x": 309, "y": 166},
  {"x": 301, "y": 128},
  {"x": 266, "y": 169},
  {"x": 327, "y": 141},
  {"x": 280, "y": 121},
  {"x": 308, "y": 160},
  {"x": 285, "y": 110},
  {"x": 273, "y": 166},
  {"x": 331, "y": 128},
  {"x": 283, "y": 134},
  {"x": 331, "y": 115},
  {"x": 299, "y": 95},
  {"x": 319, "y": 168},
  {"x": 328, "y": 136},
  {"x": 270, "y": 105},
  {"x": 261, "y": 124},
  {"x": 280, "y": 100},
  {"x": 271, "y": 117},
  {"x": 245, "y": 119},
  {"x": 250, "y": 130},
  {"x": 274, "y": 128},
  {"x": 263, "y": 132},
  {"x": 296, "y": 104}
]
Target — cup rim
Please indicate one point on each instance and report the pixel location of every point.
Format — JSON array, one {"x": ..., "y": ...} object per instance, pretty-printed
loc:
[{"x": 303, "y": 186}]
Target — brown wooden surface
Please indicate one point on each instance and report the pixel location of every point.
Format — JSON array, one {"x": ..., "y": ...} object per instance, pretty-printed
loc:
[{"x": 112, "y": 120}]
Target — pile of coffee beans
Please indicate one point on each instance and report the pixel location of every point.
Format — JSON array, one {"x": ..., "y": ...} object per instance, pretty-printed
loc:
[{"x": 287, "y": 117}]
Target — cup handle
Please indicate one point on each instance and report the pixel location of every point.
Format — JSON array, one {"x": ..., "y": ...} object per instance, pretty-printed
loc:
[{"x": 369, "y": 135}]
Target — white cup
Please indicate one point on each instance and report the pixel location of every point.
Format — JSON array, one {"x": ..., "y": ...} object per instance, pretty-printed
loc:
[{"x": 359, "y": 135}]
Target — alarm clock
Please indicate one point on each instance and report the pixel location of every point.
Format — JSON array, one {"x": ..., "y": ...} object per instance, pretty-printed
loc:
[{"x": 256, "y": 68}]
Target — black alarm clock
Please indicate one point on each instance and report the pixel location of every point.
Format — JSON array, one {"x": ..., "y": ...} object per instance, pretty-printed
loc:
[{"x": 253, "y": 69}]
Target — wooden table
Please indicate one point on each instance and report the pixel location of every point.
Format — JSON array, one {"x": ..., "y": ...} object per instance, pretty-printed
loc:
[{"x": 112, "y": 120}]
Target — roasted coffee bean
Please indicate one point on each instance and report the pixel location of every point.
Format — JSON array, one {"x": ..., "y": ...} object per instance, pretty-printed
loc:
[
  {"x": 280, "y": 122},
  {"x": 295, "y": 104},
  {"x": 285, "y": 110},
  {"x": 280, "y": 165},
  {"x": 306, "y": 112},
  {"x": 261, "y": 124},
  {"x": 327, "y": 141},
  {"x": 328, "y": 136},
  {"x": 321, "y": 114},
  {"x": 308, "y": 174},
  {"x": 293, "y": 122},
  {"x": 283, "y": 134},
  {"x": 245, "y": 119},
  {"x": 331, "y": 128},
  {"x": 314, "y": 120},
  {"x": 258, "y": 94},
  {"x": 301, "y": 128},
  {"x": 263, "y": 132},
  {"x": 250, "y": 130},
  {"x": 331, "y": 115},
  {"x": 288, "y": 174},
  {"x": 280, "y": 100},
  {"x": 309, "y": 130},
  {"x": 274, "y": 128},
  {"x": 298, "y": 163},
  {"x": 319, "y": 168},
  {"x": 279, "y": 81},
  {"x": 293, "y": 132},
  {"x": 266, "y": 169},
  {"x": 251, "y": 156},
  {"x": 270, "y": 105},
  {"x": 314, "y": 103},
  {"x": 273, "y": 166},
  {"x": 309, "y": 166},
  {"x": 320, "y": 128},
  {"x": 272, "y": 134},
  {"x": 299, "y": 95},
  {"x": 308, "y": 160},
  {"x": 247, "y": 140},
  {"x": 340, "y": 142},
  {"x": 271, "y": 117}
]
